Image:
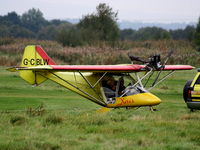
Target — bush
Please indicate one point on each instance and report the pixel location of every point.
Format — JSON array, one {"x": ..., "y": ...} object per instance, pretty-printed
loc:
[{"x": 6, "y": 41}]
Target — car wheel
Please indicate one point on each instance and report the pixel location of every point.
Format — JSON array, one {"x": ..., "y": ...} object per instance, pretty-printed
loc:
[{"x": 186, "y": 89}]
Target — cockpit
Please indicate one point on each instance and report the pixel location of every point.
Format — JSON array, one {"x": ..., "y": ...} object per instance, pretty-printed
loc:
[{"x": 120, "y": 86}]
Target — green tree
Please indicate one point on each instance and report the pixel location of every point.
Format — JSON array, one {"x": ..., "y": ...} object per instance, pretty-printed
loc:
[
  {"x": 33, "y": 20},
  {"x": 101, "y": 25},
  {"x": 47, "y": 33},
  {"x": 56, "y": 22},
  {"x": 127, "y": 34},
  {"x": 18, "y": 31},
  {"x": 69, "y": 36},
  {"x": 4, "y": 31},
  {"x": 151, "y": 33},
  {"x": 177, "y": 34},
  {"x": 183, "y": 34},
  {"x": 10, "y": 19},
  {"x": 197, "y": 35},
  {"x": 189, "y": 32}
]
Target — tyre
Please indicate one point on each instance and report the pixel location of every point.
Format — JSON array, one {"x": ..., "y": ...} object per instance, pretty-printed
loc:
[{"x": 186, "y": 89}]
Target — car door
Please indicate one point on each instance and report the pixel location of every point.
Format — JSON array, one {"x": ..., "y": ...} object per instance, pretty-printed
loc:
[{"x": 195, "y": 93}]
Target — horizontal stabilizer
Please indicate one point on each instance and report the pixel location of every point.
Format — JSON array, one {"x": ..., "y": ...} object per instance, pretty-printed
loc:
[{"x": 12, "y": 69}]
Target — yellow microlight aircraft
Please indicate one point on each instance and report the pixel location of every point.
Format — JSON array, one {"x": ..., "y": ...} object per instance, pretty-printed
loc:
[{"x": 110, "y": 86}]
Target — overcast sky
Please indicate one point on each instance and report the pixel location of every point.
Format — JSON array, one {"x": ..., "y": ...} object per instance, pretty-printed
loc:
[{"x": 130, "y": 10}]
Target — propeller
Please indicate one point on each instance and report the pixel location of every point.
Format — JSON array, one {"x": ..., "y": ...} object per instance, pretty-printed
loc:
[{"x": 153, "y": 62}]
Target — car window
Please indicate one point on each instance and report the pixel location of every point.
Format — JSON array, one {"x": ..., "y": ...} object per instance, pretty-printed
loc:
[{"x": 198, "y": 80}]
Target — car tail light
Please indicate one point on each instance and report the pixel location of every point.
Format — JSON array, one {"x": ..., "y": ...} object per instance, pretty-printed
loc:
[{"x": 189, "y": 93}]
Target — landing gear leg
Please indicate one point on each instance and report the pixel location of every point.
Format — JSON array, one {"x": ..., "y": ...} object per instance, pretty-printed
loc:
[{"x": 152, "y": 109}]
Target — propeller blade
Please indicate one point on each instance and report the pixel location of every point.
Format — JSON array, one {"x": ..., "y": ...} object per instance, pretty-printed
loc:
[
  {"x": 168, "y": 56},
  {"x": 135, "y": 58}
]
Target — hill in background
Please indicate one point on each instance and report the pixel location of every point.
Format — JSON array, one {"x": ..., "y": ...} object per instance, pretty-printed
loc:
[
  {"x": 166, "y": 26},
  {"x": 135, "y": 25}
]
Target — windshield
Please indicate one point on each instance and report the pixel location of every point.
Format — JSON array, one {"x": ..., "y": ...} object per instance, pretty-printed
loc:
[{"x": 132, "y": 90}]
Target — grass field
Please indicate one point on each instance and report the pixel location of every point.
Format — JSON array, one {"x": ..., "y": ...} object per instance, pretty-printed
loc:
[{"x": 68, "y": 121}]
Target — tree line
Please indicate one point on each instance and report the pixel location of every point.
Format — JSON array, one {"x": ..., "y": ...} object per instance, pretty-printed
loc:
[
  {"x": 99, "y": 26},
  {"x": 31, "y": 24},
  {"x": 156, "y": 33}
]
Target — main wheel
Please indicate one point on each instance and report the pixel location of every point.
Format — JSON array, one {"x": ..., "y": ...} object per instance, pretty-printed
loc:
[{"x": 186, "y": 89}]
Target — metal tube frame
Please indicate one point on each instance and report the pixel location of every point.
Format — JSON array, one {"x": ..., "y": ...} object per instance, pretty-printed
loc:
[
  {"x": 148, "y": 78},
  {"x": 97, "y": 101},
  {"x": 139, "y": 81},
  {"x": 169, "y": 74},
  {"x": 91, "y": 86}
]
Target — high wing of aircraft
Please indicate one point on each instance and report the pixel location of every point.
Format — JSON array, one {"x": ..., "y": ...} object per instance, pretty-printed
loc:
[{"x": 110, "y": 86}]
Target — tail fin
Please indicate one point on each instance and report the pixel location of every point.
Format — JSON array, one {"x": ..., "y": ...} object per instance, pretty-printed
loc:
[{"x": 34, "y": 55}]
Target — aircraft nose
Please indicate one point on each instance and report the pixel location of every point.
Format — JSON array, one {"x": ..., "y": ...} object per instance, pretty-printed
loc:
[{"x": 154, "y": 100}]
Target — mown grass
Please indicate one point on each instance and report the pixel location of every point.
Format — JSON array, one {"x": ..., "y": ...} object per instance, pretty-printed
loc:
[{"x": 70, "y": 121}]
